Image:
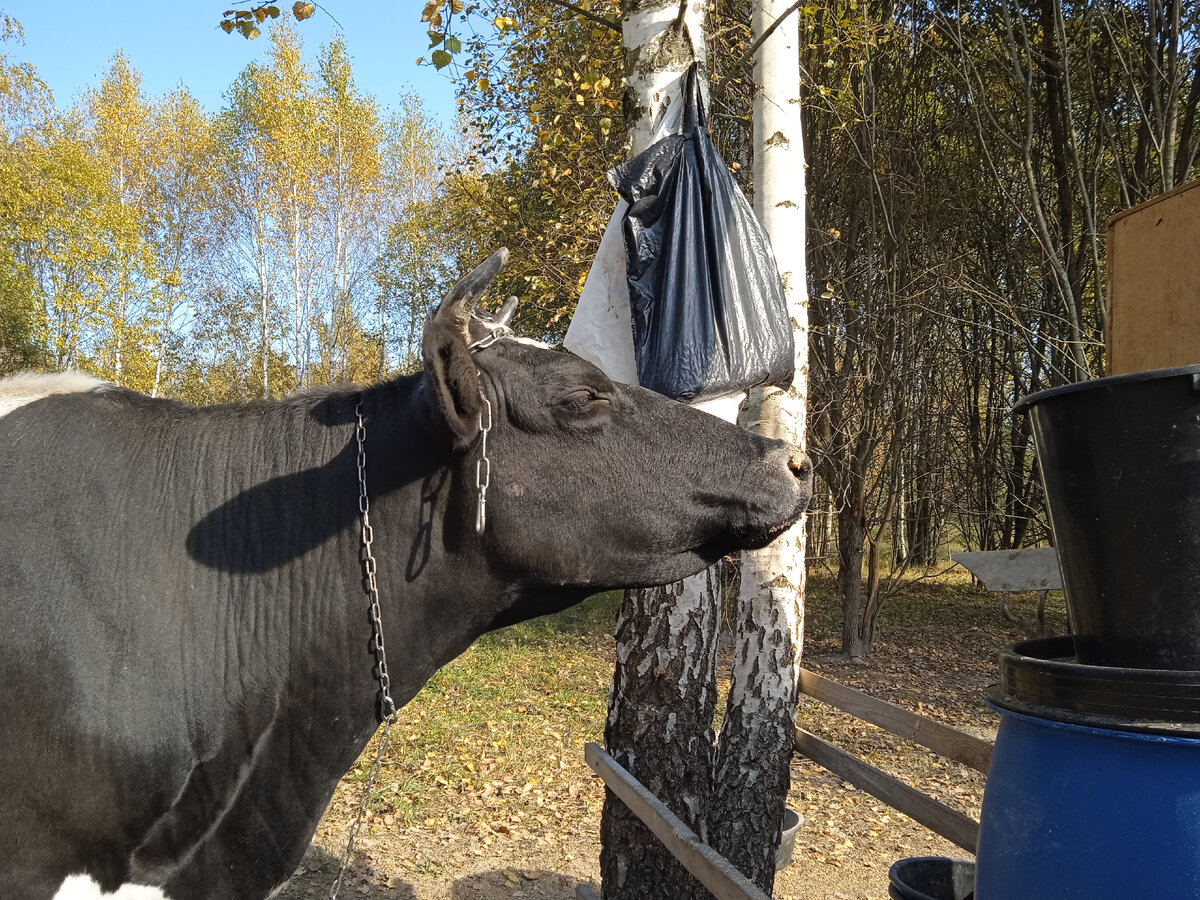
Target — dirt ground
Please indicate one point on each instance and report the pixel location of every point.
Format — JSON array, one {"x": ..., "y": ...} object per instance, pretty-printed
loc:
[{"x": 537, "y": 837}]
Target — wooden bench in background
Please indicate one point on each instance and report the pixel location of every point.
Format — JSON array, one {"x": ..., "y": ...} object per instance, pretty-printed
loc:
[{"x": 1006, "y": 571}]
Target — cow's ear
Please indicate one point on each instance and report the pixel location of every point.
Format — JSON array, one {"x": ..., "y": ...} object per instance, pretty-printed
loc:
[{"x": 451, "y": 378}]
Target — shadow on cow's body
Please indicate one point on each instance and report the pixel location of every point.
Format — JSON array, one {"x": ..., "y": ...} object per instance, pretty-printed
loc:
[{"x": 185, "y": 653}]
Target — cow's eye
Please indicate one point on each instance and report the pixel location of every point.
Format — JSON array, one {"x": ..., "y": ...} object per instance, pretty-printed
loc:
[{"x": 585, "y": 400}]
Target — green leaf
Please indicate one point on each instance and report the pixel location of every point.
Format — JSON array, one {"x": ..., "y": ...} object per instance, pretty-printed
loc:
[
  {"x": 436, "y": 38},
  {"x": 227, "y": 27},
  {"x": 453, "y": 44},
  {"x": 441, "y": 59}
]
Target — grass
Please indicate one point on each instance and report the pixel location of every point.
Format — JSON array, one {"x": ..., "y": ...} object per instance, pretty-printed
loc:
[
  {"x": 493, "y": 740},
  {"x": 486, "y": 762},
  {"x": 503, "y": 721}
]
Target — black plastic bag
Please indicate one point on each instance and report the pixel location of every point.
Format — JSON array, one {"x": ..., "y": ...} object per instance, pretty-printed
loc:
[{"x": 709, "y": 314}]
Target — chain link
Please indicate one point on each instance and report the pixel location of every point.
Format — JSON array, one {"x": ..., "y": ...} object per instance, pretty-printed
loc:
[
  {"x": 388, "y": 712},
  {"x": 495, "y": 333},
  {"x": 372, "y": 776},
  {"x": 386, "y": 704},
  {"x": 483, "y": 466}
]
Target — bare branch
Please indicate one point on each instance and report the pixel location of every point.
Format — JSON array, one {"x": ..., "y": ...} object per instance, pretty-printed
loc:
[
  {"x": 588, "y": 14},
  {"x": 758, "y": 42}
]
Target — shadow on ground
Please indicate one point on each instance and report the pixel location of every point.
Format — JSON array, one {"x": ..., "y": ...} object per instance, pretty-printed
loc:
[
  {"x": 502, "y": 884},
  {"x": 319, "y": 870}
]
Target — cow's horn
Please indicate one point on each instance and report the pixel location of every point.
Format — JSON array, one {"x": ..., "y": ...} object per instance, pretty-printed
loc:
[
  {"x": 504, "y": 317},
  {"x": 456, "y": 307}
]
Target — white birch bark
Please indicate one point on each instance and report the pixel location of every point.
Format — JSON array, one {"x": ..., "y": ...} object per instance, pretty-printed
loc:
[
  {"x": 754, "y": 750},
  {"x": 664, "y": 684}
]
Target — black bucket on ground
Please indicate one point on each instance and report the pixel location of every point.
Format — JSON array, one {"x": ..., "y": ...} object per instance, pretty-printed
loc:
[
  {"x": 932, "y": 878},
  {"x": 1120, "y": 461}
]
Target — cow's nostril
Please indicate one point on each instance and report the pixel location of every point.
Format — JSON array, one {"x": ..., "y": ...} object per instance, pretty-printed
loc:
[{"x": 798, "y": 463}]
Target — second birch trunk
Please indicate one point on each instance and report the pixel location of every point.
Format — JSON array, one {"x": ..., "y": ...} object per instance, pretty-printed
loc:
[{"x": 755, "y": 748}]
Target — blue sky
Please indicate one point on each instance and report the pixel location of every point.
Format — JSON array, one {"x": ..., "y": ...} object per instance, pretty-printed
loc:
[{"x": 70, "y": 42}]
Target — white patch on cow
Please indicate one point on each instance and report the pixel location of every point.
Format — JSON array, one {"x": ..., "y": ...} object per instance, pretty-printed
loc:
[
  {"x": 26, "y": 387},
  {"x": 82, "y": 887}
]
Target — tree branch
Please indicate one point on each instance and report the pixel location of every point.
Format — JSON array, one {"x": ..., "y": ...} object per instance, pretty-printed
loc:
[
  {"x": 588, "y": 14},
  {"x": 758, "y": 42}
]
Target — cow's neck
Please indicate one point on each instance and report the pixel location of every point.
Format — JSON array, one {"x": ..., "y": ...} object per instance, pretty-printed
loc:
[
  {"x": 436, "y": 593},
  {"x": 304, "y": 669}
]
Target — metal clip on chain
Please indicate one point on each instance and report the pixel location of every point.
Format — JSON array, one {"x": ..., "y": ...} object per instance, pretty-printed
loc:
[
  {"x": 387, "y": 705},
  {"x": 495, "y": 333}
]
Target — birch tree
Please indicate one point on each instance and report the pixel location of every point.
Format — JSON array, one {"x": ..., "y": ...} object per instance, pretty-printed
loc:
[
  {"x": 247, "y": 213},
  {"x": 180, "y": 232},
  {"x": 24, "y": 101},
  {"x": 351, "y": 155},
  {"x": 752, "y": 772},
  {"x": 660, "y": 721},
  {"x": 119, "y": 116}
]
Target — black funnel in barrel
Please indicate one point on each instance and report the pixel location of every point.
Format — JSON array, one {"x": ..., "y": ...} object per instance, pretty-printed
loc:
[{"x": 1120, "y": 461}]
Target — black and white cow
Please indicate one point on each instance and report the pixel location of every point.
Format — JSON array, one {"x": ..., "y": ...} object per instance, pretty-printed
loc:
[{"x": 185, "y": 643}]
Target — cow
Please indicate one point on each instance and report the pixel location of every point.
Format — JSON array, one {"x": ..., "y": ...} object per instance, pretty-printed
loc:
[{"x": 186, "y": 654}]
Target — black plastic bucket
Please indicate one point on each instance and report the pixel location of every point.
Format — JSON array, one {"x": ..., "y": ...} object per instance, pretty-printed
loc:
[
  {"x": 1120, "y": 461},
  {"x": 932, "y": 878}
]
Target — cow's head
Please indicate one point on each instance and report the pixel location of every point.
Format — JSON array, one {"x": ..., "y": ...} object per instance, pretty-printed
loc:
[{"x": 595, "y": 484}]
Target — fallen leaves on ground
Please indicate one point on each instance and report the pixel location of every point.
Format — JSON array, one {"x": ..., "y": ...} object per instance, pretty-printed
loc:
[{"x": 485, "y": 794}]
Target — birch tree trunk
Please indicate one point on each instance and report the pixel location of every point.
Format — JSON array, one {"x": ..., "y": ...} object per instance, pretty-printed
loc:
[
  {"x": 755, "y": 748},
  {"x": 660, "y": 729},
  {"x": 664, "y": 686}
]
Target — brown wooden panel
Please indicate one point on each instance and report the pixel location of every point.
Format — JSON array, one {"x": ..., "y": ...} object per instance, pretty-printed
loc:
[
  {"x": 708, "y": 867},
  {"x": 1154, "y": 283}
]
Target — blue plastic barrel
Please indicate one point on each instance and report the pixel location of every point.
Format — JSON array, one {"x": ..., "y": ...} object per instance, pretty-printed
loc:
[{"x": 1074, "y": 811}]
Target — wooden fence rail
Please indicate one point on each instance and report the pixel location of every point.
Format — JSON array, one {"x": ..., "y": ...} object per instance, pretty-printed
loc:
[
  {"x": 942, "y": 739},
  {"x": 705, "y": 864},
  {"x": 720, "y": 877},
  {"x": 955, "y": 827},
  {"x": 971, "y": 751}
]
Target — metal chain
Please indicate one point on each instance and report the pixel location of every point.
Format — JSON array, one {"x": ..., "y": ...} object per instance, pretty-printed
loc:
[
  {"x": 483, "y": 466},
  {"x": 388, "y": 712},
  {"x": 495, "y": 333},
  {"x": 387, "y": 704},
  {"x": 372, "y": 775}
]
